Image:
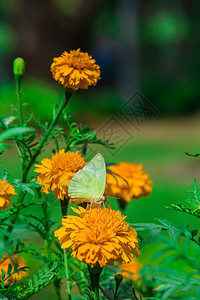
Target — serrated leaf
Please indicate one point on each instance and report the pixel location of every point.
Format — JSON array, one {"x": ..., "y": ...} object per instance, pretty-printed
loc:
[
  {"x": 163, "y": 287},
  {"x": 159, "y": 253},
  {"x": 187, "y": 287},
  {"x": 169, "y": 292},
  {"x": 25, "y": 187},
  {"x": 40, "y": 273},
  {"x": 35, "y": 279}
]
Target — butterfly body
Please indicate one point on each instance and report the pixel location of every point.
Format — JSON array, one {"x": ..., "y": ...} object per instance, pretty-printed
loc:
[{"x": 88, "y": 184}]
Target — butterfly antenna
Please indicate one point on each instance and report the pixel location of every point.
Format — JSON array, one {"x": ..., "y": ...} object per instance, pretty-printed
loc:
[{"x": 114, "y": 197}]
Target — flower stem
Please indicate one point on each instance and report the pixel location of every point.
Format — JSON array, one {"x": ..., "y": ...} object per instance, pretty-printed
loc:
[
  {"x": 57, "y": 288},
  {"x": 64, "y": 207},
  {"x": 18, "y": 92},
  {"x": 94, "y": 279},
  {"x": 122, "y": 205},
  {"x": 67, "y": 275}
]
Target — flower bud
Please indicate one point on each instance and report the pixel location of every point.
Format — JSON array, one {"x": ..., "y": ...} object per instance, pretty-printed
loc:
[
  {"x": 118, "y": 279},
  {"x": 19, "y": 67}
]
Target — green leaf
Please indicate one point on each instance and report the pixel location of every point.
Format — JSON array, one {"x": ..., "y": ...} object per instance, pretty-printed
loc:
[
  {"x": 14, "y": 132},
  {"x": 3, "y": 147},
  {"x": 169, "y": 292},
  {"x": 2, "y": 274},
  {"x": 30, "y": 283},
  {"x": 25, "y": 187},
  {"x": 40, "y": 273},
  {"x": 194, "y": 232},
  {"x": 4, "y": 174},
  {"x": 183, "y": 208},
  {"x": 35, "y": 278},
  {"x": 193, "y": 155},
  {"x": 9, "y": 269},
  {"x": 187, "y": 287},
  {"x": 6, "y": 120}
]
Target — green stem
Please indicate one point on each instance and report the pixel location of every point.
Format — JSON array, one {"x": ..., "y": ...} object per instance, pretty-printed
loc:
[
  {"x": 56, "y": 282},
  {"x": 18, "y": 91},
  {"x": 48, "y": 241},
  {"x": 48, "y": 247},
  {"x": 64, "y": 207},
  {"x": 67, "y": 275},
  {"x": 122, "y": 205},
  {"x": 95, "y": 273},
  {"x": 57, "y": 288},
  {"x": 13, "y": 220},
  {"x": 18, "y": 80}
]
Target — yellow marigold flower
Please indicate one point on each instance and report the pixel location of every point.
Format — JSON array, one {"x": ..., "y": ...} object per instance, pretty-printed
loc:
[
  {"x": 129, "y": 182},
  {"x": 98, "y": 235},
  {"x": 57, "y": 171},
  {"x": 6, "y": 192},
  {"x": 4, "y": 266},
  {"x": 131, "y": 270},
  {"x": 75, "y": 70}
]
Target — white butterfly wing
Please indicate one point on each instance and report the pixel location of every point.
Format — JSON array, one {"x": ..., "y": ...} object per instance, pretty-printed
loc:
[{"x": 89, "y": 182}]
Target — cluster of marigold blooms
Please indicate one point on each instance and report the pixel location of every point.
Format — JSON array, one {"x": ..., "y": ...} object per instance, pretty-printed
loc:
[{"x": 98, "y": 235}]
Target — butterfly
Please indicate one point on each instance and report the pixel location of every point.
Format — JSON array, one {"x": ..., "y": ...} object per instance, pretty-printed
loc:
[{"x": 88, "y": 184}]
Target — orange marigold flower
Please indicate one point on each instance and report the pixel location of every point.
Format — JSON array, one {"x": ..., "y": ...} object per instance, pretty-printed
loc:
[
  {"x": 57, "y": 171},
  {"x": 129, "y": 181},
  {"x": 4, "y": 266},
  {"x": 75, "y": 70},
  {"x": 98, "y": 235},
  {"x": 131, "y": 270},
  {"x": 6, "y": 192}
]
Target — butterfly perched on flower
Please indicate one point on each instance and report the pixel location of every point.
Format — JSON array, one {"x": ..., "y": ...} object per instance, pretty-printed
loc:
[{"x": 88, "y": 184}]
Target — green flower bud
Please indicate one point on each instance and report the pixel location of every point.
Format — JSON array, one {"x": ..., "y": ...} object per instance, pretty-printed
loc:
[
  {"x": 19, "y": 67},
  {"x": 118, "y": 279}
]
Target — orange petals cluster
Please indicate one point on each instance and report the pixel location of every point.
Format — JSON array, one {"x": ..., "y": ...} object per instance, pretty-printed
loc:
[
  {"x": 6, "y": 192},
  {"x": 98, "y": 235},
  {"x": 4, "y": 266},
  {"x": 131, "y": 270},
  {"x": 128, "y": 181},
  {"x": 57, "y": 171},
  {"x": 75, "y": 70}
]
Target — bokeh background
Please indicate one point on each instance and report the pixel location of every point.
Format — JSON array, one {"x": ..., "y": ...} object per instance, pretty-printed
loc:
[{"x": 148, "y": 100}]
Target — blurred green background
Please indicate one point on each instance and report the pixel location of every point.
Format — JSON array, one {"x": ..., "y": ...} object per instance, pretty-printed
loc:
[{"x": 147, "y": 101}]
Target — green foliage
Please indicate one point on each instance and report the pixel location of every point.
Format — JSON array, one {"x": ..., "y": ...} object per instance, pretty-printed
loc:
[
  {"x": 194, "y": 154},
  {"x": 192, "y": 203},
  {"x": 81, "y": 135},
  {"x": 26, "y": 187},
  {"x": 39, "y": 282},
  {"x": 180, "y": 243}
]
